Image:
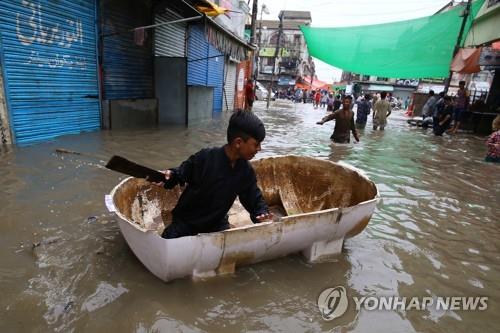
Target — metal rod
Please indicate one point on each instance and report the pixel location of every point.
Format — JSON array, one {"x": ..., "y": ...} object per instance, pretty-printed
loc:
[
  {"x": 205, "y": 58},
  {"x": 155, "y": 25}
]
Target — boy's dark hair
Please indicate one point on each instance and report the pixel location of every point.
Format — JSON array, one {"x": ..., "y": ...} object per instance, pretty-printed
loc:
[
  {"x": 431, "y": 92},
  {"x": 348, "y": 97},
  {"x": 245, "y": 124},
  {"x": 383, "y": 94}
]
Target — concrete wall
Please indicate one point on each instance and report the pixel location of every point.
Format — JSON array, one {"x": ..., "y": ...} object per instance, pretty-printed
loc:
[
  {"x": 486, "y": 26},
  {"x": 105, "y": 115},
  {"x": 200, "y": 103},
  {"x": 4, "y": 118},
  {"x": 170, "y": 90},
  {"x": 133, "y": 113}
]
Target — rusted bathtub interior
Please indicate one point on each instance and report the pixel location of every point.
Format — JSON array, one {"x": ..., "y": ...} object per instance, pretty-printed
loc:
[{"x": 290, "y": 185}]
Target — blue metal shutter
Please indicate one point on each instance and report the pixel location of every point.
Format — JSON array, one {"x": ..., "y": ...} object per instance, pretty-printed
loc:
[
  {"x": 197, "y": 56},
  {"x": 49, "y": 67},
  {"x": 215, "y": 76},
  {"x": 205, "y": 64},
  {"x": 127, "y": 66}
]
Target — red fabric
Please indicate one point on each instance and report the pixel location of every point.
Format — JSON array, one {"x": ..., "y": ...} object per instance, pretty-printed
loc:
[
  {"x": 466, "y": 61},
  {"x": 249, "y": 93},
  {"x": 317, "y": 96}
]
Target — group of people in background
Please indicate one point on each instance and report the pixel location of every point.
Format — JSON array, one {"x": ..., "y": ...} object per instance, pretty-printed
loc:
[
  {"x": 442, "y": 112},
  {"x": 445, "y": 113}
]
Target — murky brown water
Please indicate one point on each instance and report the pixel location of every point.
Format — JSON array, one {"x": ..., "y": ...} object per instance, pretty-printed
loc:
[{"x": 435, "y": 232}]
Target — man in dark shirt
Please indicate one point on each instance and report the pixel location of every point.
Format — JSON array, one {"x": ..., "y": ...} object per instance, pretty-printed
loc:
[
  {"x": 364, "y": 107},
  {"x": 443, "y": 117},
  {"x": 344, "y": 122},
  {"x": 215, "y": 177}
]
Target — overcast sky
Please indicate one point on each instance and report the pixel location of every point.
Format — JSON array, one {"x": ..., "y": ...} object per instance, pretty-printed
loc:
[{"x": 344, "y": 13}]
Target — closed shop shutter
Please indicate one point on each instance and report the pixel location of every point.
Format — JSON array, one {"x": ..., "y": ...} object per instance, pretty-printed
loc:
[
  {"x": 205, "y": 64},
  {"x": 197, "y": 56},
  {"x": 216, "y": 75},
  {"x": 229, "y": 86},
  {"x": 127, "y": 56},
  {"x": 170, "y": 38},
  {"x": 50, "y": 67}
]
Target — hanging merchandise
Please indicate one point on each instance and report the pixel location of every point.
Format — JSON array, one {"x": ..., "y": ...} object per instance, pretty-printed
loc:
[
  {"x": 49, "y": 67},
  {"x": 419, "y": 48}
]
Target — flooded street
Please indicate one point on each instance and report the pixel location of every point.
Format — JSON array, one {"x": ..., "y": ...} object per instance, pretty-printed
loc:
[{"x": 66, "y": 267}]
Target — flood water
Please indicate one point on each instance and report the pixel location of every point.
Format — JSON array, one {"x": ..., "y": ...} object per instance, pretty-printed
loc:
[{"x": 65, "y": 267}]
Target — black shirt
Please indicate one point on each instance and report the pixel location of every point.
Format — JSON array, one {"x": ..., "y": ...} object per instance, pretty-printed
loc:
[
  {"x": 212, "y": 187},
  {"x": 446, "y": 110}
]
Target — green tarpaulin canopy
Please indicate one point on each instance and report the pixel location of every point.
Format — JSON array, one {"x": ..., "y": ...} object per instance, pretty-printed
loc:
[{"x": 419, "y": 48}]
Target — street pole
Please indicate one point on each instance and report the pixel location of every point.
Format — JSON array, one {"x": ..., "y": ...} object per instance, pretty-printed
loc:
[
  {"x": 457, "y": 45},
  {"x": 256, "y": 60},
  {"x": 254, "y": 21},
  {"x": 263, "y": 9},
  {"x": 276, "y": 53}
]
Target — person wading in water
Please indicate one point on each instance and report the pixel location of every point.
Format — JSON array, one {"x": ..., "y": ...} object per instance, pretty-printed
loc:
[{"x": 344, "y": 122}]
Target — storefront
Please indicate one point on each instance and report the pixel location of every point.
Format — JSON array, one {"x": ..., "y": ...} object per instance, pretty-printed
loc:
[{"x": 49, "y": 68}]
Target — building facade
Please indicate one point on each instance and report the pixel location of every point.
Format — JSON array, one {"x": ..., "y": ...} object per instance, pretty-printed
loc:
[
  {"x": 293, "y": 61},
  {"x": 74, "y": 66}
]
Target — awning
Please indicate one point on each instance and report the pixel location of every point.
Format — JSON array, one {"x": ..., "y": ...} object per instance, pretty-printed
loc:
[
  {"x": 225, "y": 41},
  {"x": 466, "y": 61},
  {"x": 376, "y": 87},
  {"x": 419, "y": 48},
  {"x": 317, "y": 84}
]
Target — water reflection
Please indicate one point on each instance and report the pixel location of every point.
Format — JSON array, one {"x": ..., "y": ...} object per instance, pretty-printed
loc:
[{"x": 435, "y": 232}]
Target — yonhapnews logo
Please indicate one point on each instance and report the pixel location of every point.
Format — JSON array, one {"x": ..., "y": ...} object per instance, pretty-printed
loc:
[{"x": 333, "y": 303}]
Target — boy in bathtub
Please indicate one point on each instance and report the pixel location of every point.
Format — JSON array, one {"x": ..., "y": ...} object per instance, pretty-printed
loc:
[{"x": 214, "y": 177}]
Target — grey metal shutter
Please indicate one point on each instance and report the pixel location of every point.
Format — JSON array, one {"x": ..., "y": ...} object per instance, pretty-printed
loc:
[
  {"x": 229, "y": 86},
  {"x": 170, "y": 38},
  {"x": 49, "y": 65}
]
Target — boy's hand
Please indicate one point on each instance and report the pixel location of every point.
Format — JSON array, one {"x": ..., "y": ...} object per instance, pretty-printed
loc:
[
  {"x": 264, "y": 217},
  {"x": 168, "y": 174}
]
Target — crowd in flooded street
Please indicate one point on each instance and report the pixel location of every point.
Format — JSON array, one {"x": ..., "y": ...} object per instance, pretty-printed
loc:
[
  {"x": 67, "y": 264},
  {"x": 441, "y": 112}
]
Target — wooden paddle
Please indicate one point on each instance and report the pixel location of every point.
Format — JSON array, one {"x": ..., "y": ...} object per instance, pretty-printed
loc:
[{"x": 121, "y": 164}]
